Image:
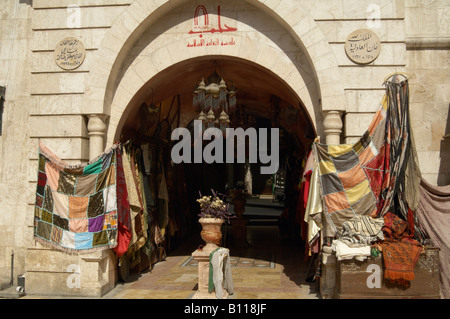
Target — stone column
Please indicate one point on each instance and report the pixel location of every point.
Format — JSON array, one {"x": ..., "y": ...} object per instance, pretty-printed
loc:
[
  {"x": 332, "y": 126},
  {"x": 98, "y": 269},
  {"x": 97, "y": 131}
]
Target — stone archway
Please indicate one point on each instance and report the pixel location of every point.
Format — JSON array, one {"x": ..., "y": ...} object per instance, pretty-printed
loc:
[{"x": 306, "y": 63}]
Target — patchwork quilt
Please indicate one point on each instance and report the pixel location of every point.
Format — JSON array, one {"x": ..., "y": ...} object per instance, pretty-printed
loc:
[
  {"x": 352, "y": 176},
  {"x": 76, "y": 205}
]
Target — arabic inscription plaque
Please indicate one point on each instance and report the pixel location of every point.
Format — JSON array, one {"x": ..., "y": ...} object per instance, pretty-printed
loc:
[
  {"x": 69, "y": 53},
  {"x": 362, "y": 46}
]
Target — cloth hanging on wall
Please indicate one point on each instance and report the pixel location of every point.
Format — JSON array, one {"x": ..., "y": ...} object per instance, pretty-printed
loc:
[
  {"x": 377, "y": 174},
  {"x": 76, "y": 205},
  {"x": 352, "y": 176},
  {"x": 400, "y": 250},
  {"x": 362, "y": 230},
  {"x": 123, "y": 210},
  {"x": 138, "y": 233},
  {"x": 434, "y": 215}
]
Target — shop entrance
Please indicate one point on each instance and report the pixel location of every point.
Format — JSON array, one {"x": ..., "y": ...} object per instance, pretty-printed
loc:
[{"x": 274, "y": 233}]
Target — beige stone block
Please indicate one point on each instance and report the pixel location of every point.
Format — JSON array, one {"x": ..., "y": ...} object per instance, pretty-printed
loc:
[
  {"x": 65, "y": 148},
  {"x": 32, "y": 169},
  {"x": 45, "y": 40},
  {"x": 416, "y": 112},
  {"x": 47, "y": 260},
  {"x": 431, "y": 178},
  {"x": 58, "y": 126},
  {"x": 443, "y": 93},
  {"x": 429, "y": 76},
  {"x": 311, "y": 38},
  {"x": 7, "y": 232},
  {"x": 367, "y": 77},
  {"x": 422, "y": 93},
  {"x": 433, "y": 112},
  {"x": 422, "y": 136},
  {"x": 438, "y": 130},
  {"x": 176, "y": 53},
  {"x": 91, "y": 106},
  {"x": 147, "y": 5},
  {"x": 145, "y": 68},
  {"x": 337, "y": 31},
  {"x": 304, "y": 26},
  {"x": 249, "y": 48},
  {"x": 121, "y": 99},
  {"x": 132, "y": 82},
  {"x": 429, "y": 161},
  {"x": 61, "y": 18},
  {"x": 50, "y": 284},
  {"x": 56, "y": 83},
  {"x": 327, "y": 9},
  {"x": 161, "y": 58},
  {"x": 357, "y": 123},
  {"x": 359, "y": 10},
  {"x": 351, "y": 139},
  {"x": 44, "y": 62},
  {"x": 363, "y": 100},
  {"x": 44, "y": 4},
  {"x": 267, "y": 56}
]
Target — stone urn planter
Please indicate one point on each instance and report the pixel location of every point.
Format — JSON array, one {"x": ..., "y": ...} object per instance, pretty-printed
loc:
[{"x": 211, "y": 231}]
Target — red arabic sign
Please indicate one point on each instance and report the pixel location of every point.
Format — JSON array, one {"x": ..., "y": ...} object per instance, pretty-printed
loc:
[{"x": 202, "y": 27}]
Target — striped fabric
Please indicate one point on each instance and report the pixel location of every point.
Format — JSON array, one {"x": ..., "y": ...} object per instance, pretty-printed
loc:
[{"x": 352, "y": 175}]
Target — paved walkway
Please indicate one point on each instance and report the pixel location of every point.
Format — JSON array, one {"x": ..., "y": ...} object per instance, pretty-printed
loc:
[{"x": 267, "y": 269}]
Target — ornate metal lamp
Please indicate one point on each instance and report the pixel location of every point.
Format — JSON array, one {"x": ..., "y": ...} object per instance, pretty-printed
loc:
[{"x": 215, "y": 102}]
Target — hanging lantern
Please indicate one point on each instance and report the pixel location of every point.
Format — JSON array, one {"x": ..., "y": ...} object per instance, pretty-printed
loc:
[
  {"x": 224, "y": 121},
  {"x": 202, "y": 117},
  {"x": 211, "y": 118},
  {"x": 214, "y": 102}
]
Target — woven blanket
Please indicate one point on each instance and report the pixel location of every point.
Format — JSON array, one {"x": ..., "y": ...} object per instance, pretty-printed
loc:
[
  {"x": 76, "y": 205},
  {"x": 434, "y": 216},
  {"x": 362, "y": 230},
  {"x": 352, "y": 176},
  {"x": 377, "y": 174},
  {"x": 400, "y": 250}
]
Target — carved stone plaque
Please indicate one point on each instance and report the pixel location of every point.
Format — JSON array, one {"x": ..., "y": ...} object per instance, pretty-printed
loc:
[
  {"x": 69, "y": 53},
  {"x": 362, "y": 46}
]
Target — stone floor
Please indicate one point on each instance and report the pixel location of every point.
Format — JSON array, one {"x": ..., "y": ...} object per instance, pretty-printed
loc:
[{"x": 269, "y": 268}]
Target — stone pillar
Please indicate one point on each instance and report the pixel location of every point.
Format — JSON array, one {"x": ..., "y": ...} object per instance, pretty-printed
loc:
[
  {"x": 97, "y": 131},
  {"x": 202, "y": 258},
  {"x": 98, "y": 270},
  {"x": 332, "y": 126},
  {"x": 328, "y": 277}
]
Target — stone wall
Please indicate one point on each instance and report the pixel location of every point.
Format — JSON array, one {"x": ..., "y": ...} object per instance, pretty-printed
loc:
[
  {"x": 428, "y": 62},
  {"x": 15, "y": 26}
]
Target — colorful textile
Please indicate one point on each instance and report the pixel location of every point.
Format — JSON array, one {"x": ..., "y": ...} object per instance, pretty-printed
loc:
[
  {"x": 400, "y": 250},
  {"x": 434, "y": 215},
  {"x": 352, "y": 175},
  {"x": 399, "y": 260},
  {"x": 76, "y": 205},
  {"x": 377, "y": 174},
  {"x": 346, "y": 252},
  {"x": 362, "y": 230},
  {"x": 123, "y": 210}
]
